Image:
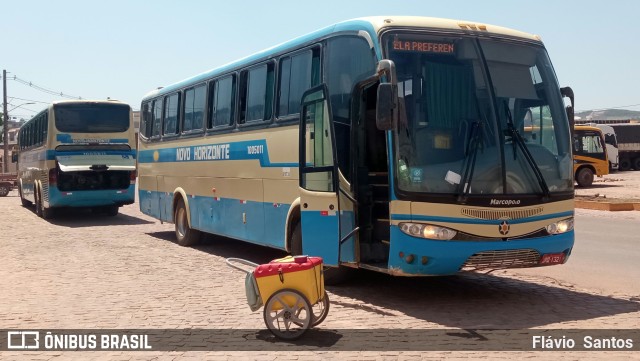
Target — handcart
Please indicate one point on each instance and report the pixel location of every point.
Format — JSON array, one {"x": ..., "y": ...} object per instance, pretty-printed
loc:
[{"x": 294, "y": 290}]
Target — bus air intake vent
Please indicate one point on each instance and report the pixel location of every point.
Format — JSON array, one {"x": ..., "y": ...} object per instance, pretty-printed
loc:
[
  {"x": 514, "y": 258},
  {"x": 501, "y": 214}
]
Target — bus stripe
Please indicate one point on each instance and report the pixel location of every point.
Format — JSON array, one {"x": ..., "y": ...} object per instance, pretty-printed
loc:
[
  {"x": 409, "y": 217},
  {"x": 243, "y": 150}
]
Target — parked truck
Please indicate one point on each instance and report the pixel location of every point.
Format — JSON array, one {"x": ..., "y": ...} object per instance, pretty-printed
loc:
[
  {"x": 7, "y": 183},
  {"x": 628, "y": 136}
]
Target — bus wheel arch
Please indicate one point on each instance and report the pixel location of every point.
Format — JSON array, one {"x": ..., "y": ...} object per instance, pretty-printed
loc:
[
  {"x": 185, "y": 235},
  {"x": 293, "y": 219},
  {"x": 584, "y": 176},
  {"x": 178, "y": 194}
]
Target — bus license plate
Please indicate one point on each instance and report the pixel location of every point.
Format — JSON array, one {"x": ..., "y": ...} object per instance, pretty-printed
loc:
[{"x": 552, "y": 258}]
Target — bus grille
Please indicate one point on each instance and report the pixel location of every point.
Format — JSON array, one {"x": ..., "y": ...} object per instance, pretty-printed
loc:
[
  {"x": 514, "y": 258},
  {"x": 501, "y": 214}
]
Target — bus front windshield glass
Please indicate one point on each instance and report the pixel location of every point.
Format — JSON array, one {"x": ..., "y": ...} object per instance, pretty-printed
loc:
[
  {"x": 92, "y": 118},
  {"x": 478, "y": 116}
]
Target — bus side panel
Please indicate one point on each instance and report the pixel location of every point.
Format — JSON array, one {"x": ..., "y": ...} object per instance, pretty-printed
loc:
[
  {"x": 279, "y": 194},
  {"x": 148, "y": 196},
  {"x": 244, "y": 212}
]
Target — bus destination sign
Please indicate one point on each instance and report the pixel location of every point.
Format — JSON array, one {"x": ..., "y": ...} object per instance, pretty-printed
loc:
[{"x": 422, "y": 46}]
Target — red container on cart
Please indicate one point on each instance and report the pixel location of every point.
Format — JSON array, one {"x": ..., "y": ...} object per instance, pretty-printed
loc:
[{"x": 301, "y": 273}]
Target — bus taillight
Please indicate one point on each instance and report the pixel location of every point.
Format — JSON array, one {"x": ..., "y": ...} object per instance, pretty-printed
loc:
[
  {"x": 53, "y": 176},
  {"x": 132, "y": 177}
]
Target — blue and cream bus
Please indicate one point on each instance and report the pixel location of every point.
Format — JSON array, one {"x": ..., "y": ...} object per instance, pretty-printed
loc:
[
  {"x": 388, "y": 143},
  {"x": 78, "y": 153}
]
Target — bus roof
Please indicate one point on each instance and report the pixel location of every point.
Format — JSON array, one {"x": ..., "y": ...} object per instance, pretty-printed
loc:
[
  {"x": 372, "y": 25},
  {"x": 587, "y": 127},
  {"x": 84, "y": 101}
]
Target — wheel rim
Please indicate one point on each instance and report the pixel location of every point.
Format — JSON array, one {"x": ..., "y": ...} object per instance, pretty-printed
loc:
[
  {"x": 181, "y": 223},
  {"x": 288, "y": 314},
  {"x": 3, "y": 190}
]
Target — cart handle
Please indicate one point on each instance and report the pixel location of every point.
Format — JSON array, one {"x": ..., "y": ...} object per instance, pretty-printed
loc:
[{"x": 244, "y": 262}]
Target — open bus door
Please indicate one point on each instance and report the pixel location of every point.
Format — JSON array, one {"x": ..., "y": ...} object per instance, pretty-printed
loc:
[{"x": 327, "y": 210}]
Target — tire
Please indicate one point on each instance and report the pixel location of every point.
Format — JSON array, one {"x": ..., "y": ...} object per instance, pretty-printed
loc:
[
  {"x": 320, "y": 310},
  {"x": 296, "y": 240},
  {"x": 41, "y": 211},
  {"x": 112, "y": 211},
  {"x": 625, "y": 164},
  {"x": 288, "y": 322},
  {"x": 25, "y": 203},
  {"x": 636, "y": 163},
  {"x": 4, "y": 189},
  {"x": 185, "y": 235},
  {"x": 36, "y": 195},
  {"x": 584, "y": 177}
]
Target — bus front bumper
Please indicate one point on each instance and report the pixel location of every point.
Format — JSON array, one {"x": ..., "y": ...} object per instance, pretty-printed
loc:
[{"x": 410, "y": 256}]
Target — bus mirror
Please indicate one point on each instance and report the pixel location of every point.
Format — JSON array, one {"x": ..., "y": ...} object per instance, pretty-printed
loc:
[
  {"x": 568, "y": 92},
  {"x": 387, "y": 106}
]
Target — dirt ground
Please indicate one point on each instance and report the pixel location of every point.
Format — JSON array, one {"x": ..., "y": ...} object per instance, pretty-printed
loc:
[{"x": 615, "y": 187}]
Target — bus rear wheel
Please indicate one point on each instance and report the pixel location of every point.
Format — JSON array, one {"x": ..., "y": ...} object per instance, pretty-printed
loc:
[
  {"x": 25, "y": 203},
  {"x": 584, "y": 177},
  {"x": 185, "y": 235},
  {"x": 41, "y": 210}
]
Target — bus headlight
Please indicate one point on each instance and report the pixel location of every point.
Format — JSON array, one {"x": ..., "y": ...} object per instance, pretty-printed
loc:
[
  {"x": 559, "y": 227},
  {"x": 427, "y": 231}
]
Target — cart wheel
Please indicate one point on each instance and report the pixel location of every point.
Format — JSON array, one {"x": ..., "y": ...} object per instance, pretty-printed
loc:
[
  {"x": 288, "y": 314},
  {"x": 320, "y": 310}
]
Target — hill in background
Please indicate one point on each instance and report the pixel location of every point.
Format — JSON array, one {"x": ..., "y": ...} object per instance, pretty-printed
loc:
[{"x": 609, "y": 114}]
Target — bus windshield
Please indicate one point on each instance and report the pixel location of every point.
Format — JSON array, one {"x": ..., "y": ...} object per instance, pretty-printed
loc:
[
  {"x": 478, "y": 116},
  {"x": 92, "y": 118}
]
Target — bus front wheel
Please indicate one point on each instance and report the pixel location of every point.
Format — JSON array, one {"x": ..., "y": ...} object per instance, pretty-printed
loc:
[
  {"x": 584, "y": 177},
  {"x": 185, "y": 235}
]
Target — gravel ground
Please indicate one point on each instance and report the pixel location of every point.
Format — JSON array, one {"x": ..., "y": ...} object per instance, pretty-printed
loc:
[{"x": 618, "y": 185}]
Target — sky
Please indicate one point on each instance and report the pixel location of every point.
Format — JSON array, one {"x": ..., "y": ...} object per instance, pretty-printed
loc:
[{"x": 123, "y": 49}]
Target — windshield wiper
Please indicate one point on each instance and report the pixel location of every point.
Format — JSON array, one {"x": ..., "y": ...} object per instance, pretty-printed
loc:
[
  {"x": 465, "y": 183},
  {"x": 517, "y": 139}
]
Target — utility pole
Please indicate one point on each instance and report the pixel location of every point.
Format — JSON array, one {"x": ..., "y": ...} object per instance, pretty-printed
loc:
[{"x": 5, "y": 124}]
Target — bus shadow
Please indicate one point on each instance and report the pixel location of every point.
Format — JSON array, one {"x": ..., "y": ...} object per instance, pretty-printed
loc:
[
  {"x": 467, "y": 301},
  {"x": 602, "y": 185},
  {"x": 226, "y": 247},
  {"x": 480, "y": 301},
  {"x": 79, "y": 217}
]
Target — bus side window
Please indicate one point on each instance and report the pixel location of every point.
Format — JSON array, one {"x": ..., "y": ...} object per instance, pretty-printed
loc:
[
  {"x": 257, "y": 97},
  {"x": 194, "y": 99},
  {"x": 157, "y": 118},
  {"x": 171, "y": 106},
  {"x": 222, "y": 102}
]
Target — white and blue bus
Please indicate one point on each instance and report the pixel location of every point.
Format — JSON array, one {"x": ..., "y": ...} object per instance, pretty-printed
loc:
[
  {"x": 78, "y": 153},
  {"x": 394, "y": 144}
]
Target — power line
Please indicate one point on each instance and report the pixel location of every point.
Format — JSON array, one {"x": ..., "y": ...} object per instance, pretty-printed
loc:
[
  {"x": 28, "y": 100},
  {"x": 42, "y": 89}
]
